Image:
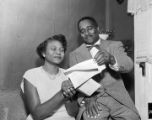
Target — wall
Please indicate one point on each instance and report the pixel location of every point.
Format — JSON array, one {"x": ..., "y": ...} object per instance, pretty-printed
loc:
[
  {"x": 26, "y": 23},
  {"x": 121, "y": 21},
  {"x": 143, "y": 63},
  {"x": 123, "y": 29}
]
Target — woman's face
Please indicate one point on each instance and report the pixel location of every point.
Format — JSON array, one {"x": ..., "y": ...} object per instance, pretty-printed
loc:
[{"x": 54, "y": 52}]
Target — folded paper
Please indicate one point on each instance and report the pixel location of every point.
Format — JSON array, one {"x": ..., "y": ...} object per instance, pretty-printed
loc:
[
  {"x": 81, "y": 73},
  {"x": 89, "y": 87}
]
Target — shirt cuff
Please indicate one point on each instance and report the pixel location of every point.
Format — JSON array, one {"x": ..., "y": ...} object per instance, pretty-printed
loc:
[{"x": 115, "y": 66}]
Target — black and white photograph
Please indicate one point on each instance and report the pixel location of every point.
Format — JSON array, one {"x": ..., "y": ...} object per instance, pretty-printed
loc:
[{"x": 76, "y": 60}]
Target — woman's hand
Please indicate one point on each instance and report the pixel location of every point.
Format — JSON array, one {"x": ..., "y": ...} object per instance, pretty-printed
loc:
[{"x": 68, "y": 89}]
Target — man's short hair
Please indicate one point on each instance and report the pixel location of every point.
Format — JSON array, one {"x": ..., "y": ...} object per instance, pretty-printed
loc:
[{"x": 94, "y": 22}]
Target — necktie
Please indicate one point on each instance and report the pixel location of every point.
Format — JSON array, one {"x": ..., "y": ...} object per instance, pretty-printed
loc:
[{"x": 91, "y": 46}]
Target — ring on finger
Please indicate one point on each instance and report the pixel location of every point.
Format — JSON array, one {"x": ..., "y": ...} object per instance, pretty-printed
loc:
[
  {"x": 64, "y": 94},
  {"x": 68, "y": 89}
]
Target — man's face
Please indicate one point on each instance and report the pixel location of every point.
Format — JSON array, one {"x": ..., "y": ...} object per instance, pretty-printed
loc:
[{"x": 88, "y": 32}]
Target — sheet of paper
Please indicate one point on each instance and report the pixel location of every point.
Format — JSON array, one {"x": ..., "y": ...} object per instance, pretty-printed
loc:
[
  {"x": 83, "y": 71},
  {"x": 78, "y": 78},
  {"x": 93, "y": 51},
  {"x": 89, "y": 87},
  {"x": 29, "y": 117},
  {"x": 83, "y": 66}
]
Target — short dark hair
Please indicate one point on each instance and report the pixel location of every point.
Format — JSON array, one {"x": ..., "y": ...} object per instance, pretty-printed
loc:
[
  {"x": 94, "y": 22},
  {"x": 42, "y": 46}
]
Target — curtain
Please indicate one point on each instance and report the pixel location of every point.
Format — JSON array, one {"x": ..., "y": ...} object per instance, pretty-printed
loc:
[{"x": 136, "y": 6}]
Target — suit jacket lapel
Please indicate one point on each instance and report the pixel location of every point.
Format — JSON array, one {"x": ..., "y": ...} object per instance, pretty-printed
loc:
[{"x": 83, "y": 53}]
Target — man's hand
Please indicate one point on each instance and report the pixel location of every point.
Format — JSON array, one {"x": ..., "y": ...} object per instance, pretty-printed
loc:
[
  {"x": 104, "y": 57},
  {"x": 68, "y": 89},
  {"x": 91, "y": 107}
]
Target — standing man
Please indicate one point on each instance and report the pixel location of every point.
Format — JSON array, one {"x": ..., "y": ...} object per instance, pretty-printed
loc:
[{"x": 112, "y": 100}]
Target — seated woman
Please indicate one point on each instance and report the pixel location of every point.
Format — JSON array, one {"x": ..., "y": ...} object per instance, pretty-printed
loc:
[{"x": 46, "y": 88}]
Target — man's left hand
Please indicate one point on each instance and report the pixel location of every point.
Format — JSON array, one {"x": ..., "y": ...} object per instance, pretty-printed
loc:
[{"x": 91, "y": 107}]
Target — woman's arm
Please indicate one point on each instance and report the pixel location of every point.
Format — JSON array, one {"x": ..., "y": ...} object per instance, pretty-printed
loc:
[{"x": 41, "y": 111}]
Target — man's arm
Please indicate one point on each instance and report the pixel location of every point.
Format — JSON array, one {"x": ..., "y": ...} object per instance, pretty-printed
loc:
[
  {"x": 124, "y": 63},
  {"x": 115, "y": 57}
]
